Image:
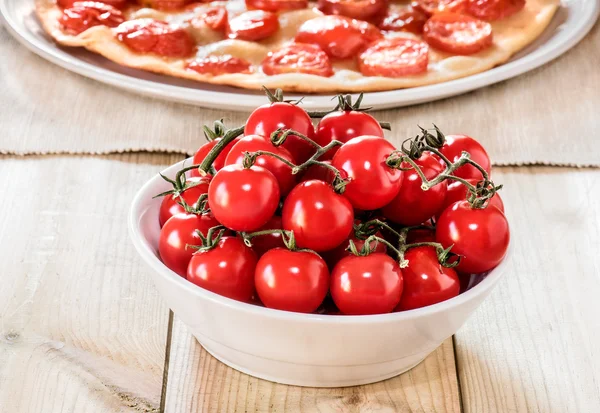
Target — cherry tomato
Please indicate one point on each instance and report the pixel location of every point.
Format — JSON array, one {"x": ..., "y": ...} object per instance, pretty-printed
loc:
[
  {"x": 277, "y": 5},
  {"x": 340, "y": 37},
  {"x": 117, "y": 4},
  {"x": 426, "y": 281},
  {"x": 344, "y": 125},
  {"x": 170, "y": 206},
  {"x": 263, "y": 243},
  {"x": 421, "y": 234},
  {"x": 372, "y": 183},
  {"x": 480, "y": 236},
  {"x": 404, "y": 19},
  {"x": 395, "y": 57},
  {"x": 219, "y": 162},
  {"x": 319, "y": 172},
  {"x": 453, "y": 148},
  {"x": 412, "y": 205},
  {"x": 298, "y": 58},
  {"x": 457, "y": 191},
  {"x": 179, "y": 232},
  {"x": 335, "y": 255},
  {"x": 281, "y": 171},
  {"x": 366, "y": 285},
  {"x": 494, "y": 9},
  {"x": 356, "y": 9},
  {"x": 320, "y": 218},
  {"x": 164, "y": 4},
  {"x": 152, "y": 36},
  {"x": 430, "y": 7},
  {"x": 291, "y": 280},
  {"x": 253, "y": 25},
  {"x": 220, "y": 65},
  {"x": 457, "y": 33},
  {"x": 243, "y": 199},
  {"x": 268, "y": 118},
  {"x": 215, "y": 17},
  {"x": 227, "y": 270},
  {"x": 83, "y": 15}
]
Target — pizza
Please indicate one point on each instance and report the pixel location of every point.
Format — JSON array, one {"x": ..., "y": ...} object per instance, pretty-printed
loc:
[{"x": 297, "y": 45}]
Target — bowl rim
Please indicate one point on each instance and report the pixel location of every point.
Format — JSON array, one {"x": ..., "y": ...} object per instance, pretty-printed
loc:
[{"x": 141, "y": 203}]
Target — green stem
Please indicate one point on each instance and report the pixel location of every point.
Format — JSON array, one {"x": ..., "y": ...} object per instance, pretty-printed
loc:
[{"x": 229, "y": 136}]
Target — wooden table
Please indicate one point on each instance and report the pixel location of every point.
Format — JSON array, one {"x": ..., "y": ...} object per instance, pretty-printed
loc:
[{"x": 82, "y": 329}]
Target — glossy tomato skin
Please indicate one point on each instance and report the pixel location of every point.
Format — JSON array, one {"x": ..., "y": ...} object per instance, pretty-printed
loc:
[
  {"x": 167, "y": 5},
  {"x": 335, "y": 255},
  {"x": 82, "y": 15},
  {"x": 118, "y": 4},
  {"x": 291, "y": 280},
  {"x": 219, "y": 65},
  {"x": 254, "y": 143},
  {"x": 320, "y": 172},
  {"x": 395, "y": 57},
  {"x": 243, "y": 199},
  {"x": 179, "y": 232},
  {"x": 253, "y": 25},
  {"x": 404, "y": 19},
  {"x": 453, "y": 148},
  {"x": 227, "y": 270},
  {"x": 320, "y": 218},
  {"x": 169, "y": 205},
  {"x": 344, "y": 125},
  {"x": 431, "y": 7},
  {"x": 219, "y": 162},
  {"x": 356, "y": 9},
  {"x": 277, "y": 5},
  {"x": 264, "y": 243},
  {"x": 373, "y": 183},
  {"x": 158, "y": 37},
  {"x": 366, "y": 285},
  {"x": 298, "y": 58},
  {"x": 457, "y": 33},
  {"x": 480, "y": 236},
  {"x": 426, "y": 282},
  {"x": 412, "y": 205},
  {"x": 266, "y": 119},
  {"x": 457, "y": 191},
  {"x": 491, "y": 10}
]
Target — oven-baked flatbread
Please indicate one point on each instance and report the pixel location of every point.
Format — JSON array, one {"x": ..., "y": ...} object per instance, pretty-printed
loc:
[{"x": 510, "y": 35}]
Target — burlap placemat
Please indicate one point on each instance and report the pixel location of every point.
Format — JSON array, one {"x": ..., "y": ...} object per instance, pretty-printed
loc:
[{"x": 548, "y": 116}]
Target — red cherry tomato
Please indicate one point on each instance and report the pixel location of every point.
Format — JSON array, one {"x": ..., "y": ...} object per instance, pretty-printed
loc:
[
  {"x": 227, "y": 270},
  {"x": 254, "y": 143},
  {"x": 320, "y": 172},
  {"x": 179, "y": 232},
  {"x": 117, "y": 4},
  {"x": 253, "y": 25},
  {"x": 170, "y": 206},
  {"x": 220, "y": 65},
  {"x": 166, "y": 5},
  {"x": 152, "y": 36},
  {"x": 430, "y": 7},
  {"x": 453, "y": 148},
  {"x": 83, "y": 15},
  {"x": 243, "y": 199},
  {"x": 404, "y": 19},
  {"x": 356, "y": 9},
  {"x": 219, "y": 162},
  {"x": 291, "y": 280},
  {"x": 457, "y": 191},
  {"x": 277, "y": 5},
  {"x": 373, "y": 184},
  {"x": 426, "y": 282},
  {"x": 494, "y": 9},
  {"x": 480, "y": 236},
  {"x": 344, "y": 125},
  {"x": 412, "y": 205},
  {"x": 335, "y": 255},
  {"x": 298, "y": 58},
  {"x": 263, "y": 243},
  {"x": 421, "y": 235},
  {"x": 457, "y": 33},
  {"x": 340, "y": 37},
  {"x": 320, "y": 218},
  {"x": 215, "y": 17},
  {"x": 268, "y": 118},
  {"x": 366, "y": 285},
  {"x": 395, "y": 57}
]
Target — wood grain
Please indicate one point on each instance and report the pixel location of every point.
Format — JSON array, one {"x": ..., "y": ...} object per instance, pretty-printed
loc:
[
  {"x": 534, "y": 345},
  {"x": 81, "y": 327},
  {"x": 200, "y": 383}
]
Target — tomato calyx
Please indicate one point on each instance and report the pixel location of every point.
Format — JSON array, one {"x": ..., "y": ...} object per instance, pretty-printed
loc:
[
  {"x": 211, "y": 240},
  {"x": 277, "y": 96},
  {"x": 180, "y": 183},
  {"x": 218, "y": 130},
  {"x": 345, "y": 104},
  {"x": 228, "y": 135},
  {"x": 288, "y": 238}
]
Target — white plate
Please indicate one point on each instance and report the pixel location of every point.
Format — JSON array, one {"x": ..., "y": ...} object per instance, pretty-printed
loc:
[{"x": 570, "y": 24}]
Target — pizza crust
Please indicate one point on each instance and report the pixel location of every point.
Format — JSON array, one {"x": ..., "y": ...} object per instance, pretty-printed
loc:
[{"x": 510, "y": 36}]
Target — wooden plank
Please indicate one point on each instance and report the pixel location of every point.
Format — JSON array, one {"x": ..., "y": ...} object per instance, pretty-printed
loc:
[
  {"x": 82, "y": 328},
  {"x": 534, "y": 345},
  {"x": 199, "y": 383}
]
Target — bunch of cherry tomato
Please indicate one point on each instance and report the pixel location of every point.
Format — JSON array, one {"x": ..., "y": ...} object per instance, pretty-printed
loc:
[{"x": 288, "y": 215}]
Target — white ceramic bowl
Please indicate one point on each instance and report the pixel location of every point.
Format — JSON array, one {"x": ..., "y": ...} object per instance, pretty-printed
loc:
[{"x": 299, "y": 349}]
